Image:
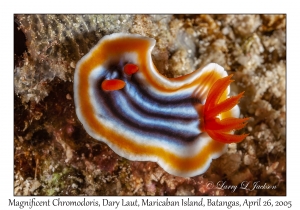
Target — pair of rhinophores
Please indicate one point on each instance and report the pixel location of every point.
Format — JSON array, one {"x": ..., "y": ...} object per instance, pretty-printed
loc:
[{"x": 180, "y": 123}]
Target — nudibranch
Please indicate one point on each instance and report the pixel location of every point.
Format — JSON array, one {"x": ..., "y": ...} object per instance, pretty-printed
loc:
[{"x": 180, "y": 123}]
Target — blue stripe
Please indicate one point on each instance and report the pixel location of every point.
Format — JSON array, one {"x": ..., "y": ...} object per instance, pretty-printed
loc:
[{"x": 167, "y": 118}]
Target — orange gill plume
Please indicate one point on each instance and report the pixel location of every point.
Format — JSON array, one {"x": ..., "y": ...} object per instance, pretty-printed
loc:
[{"x": 218, "y": 129}]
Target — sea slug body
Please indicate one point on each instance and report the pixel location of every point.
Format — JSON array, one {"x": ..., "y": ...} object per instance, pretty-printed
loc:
[{"x": 180, "y": 123}]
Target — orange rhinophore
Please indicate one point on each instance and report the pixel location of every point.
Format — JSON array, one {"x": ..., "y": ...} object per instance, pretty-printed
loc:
[
  {"x": 218, "y": 128},
  {"x": 130, "y": 68},
  {"x": 112, "y": 84}
]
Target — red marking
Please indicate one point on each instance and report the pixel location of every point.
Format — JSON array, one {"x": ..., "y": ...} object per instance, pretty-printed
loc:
[
  {"x": 130, "y": 68},
  {"x": 112, "y": 84},
  {"x": 218, "y": 129}
]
